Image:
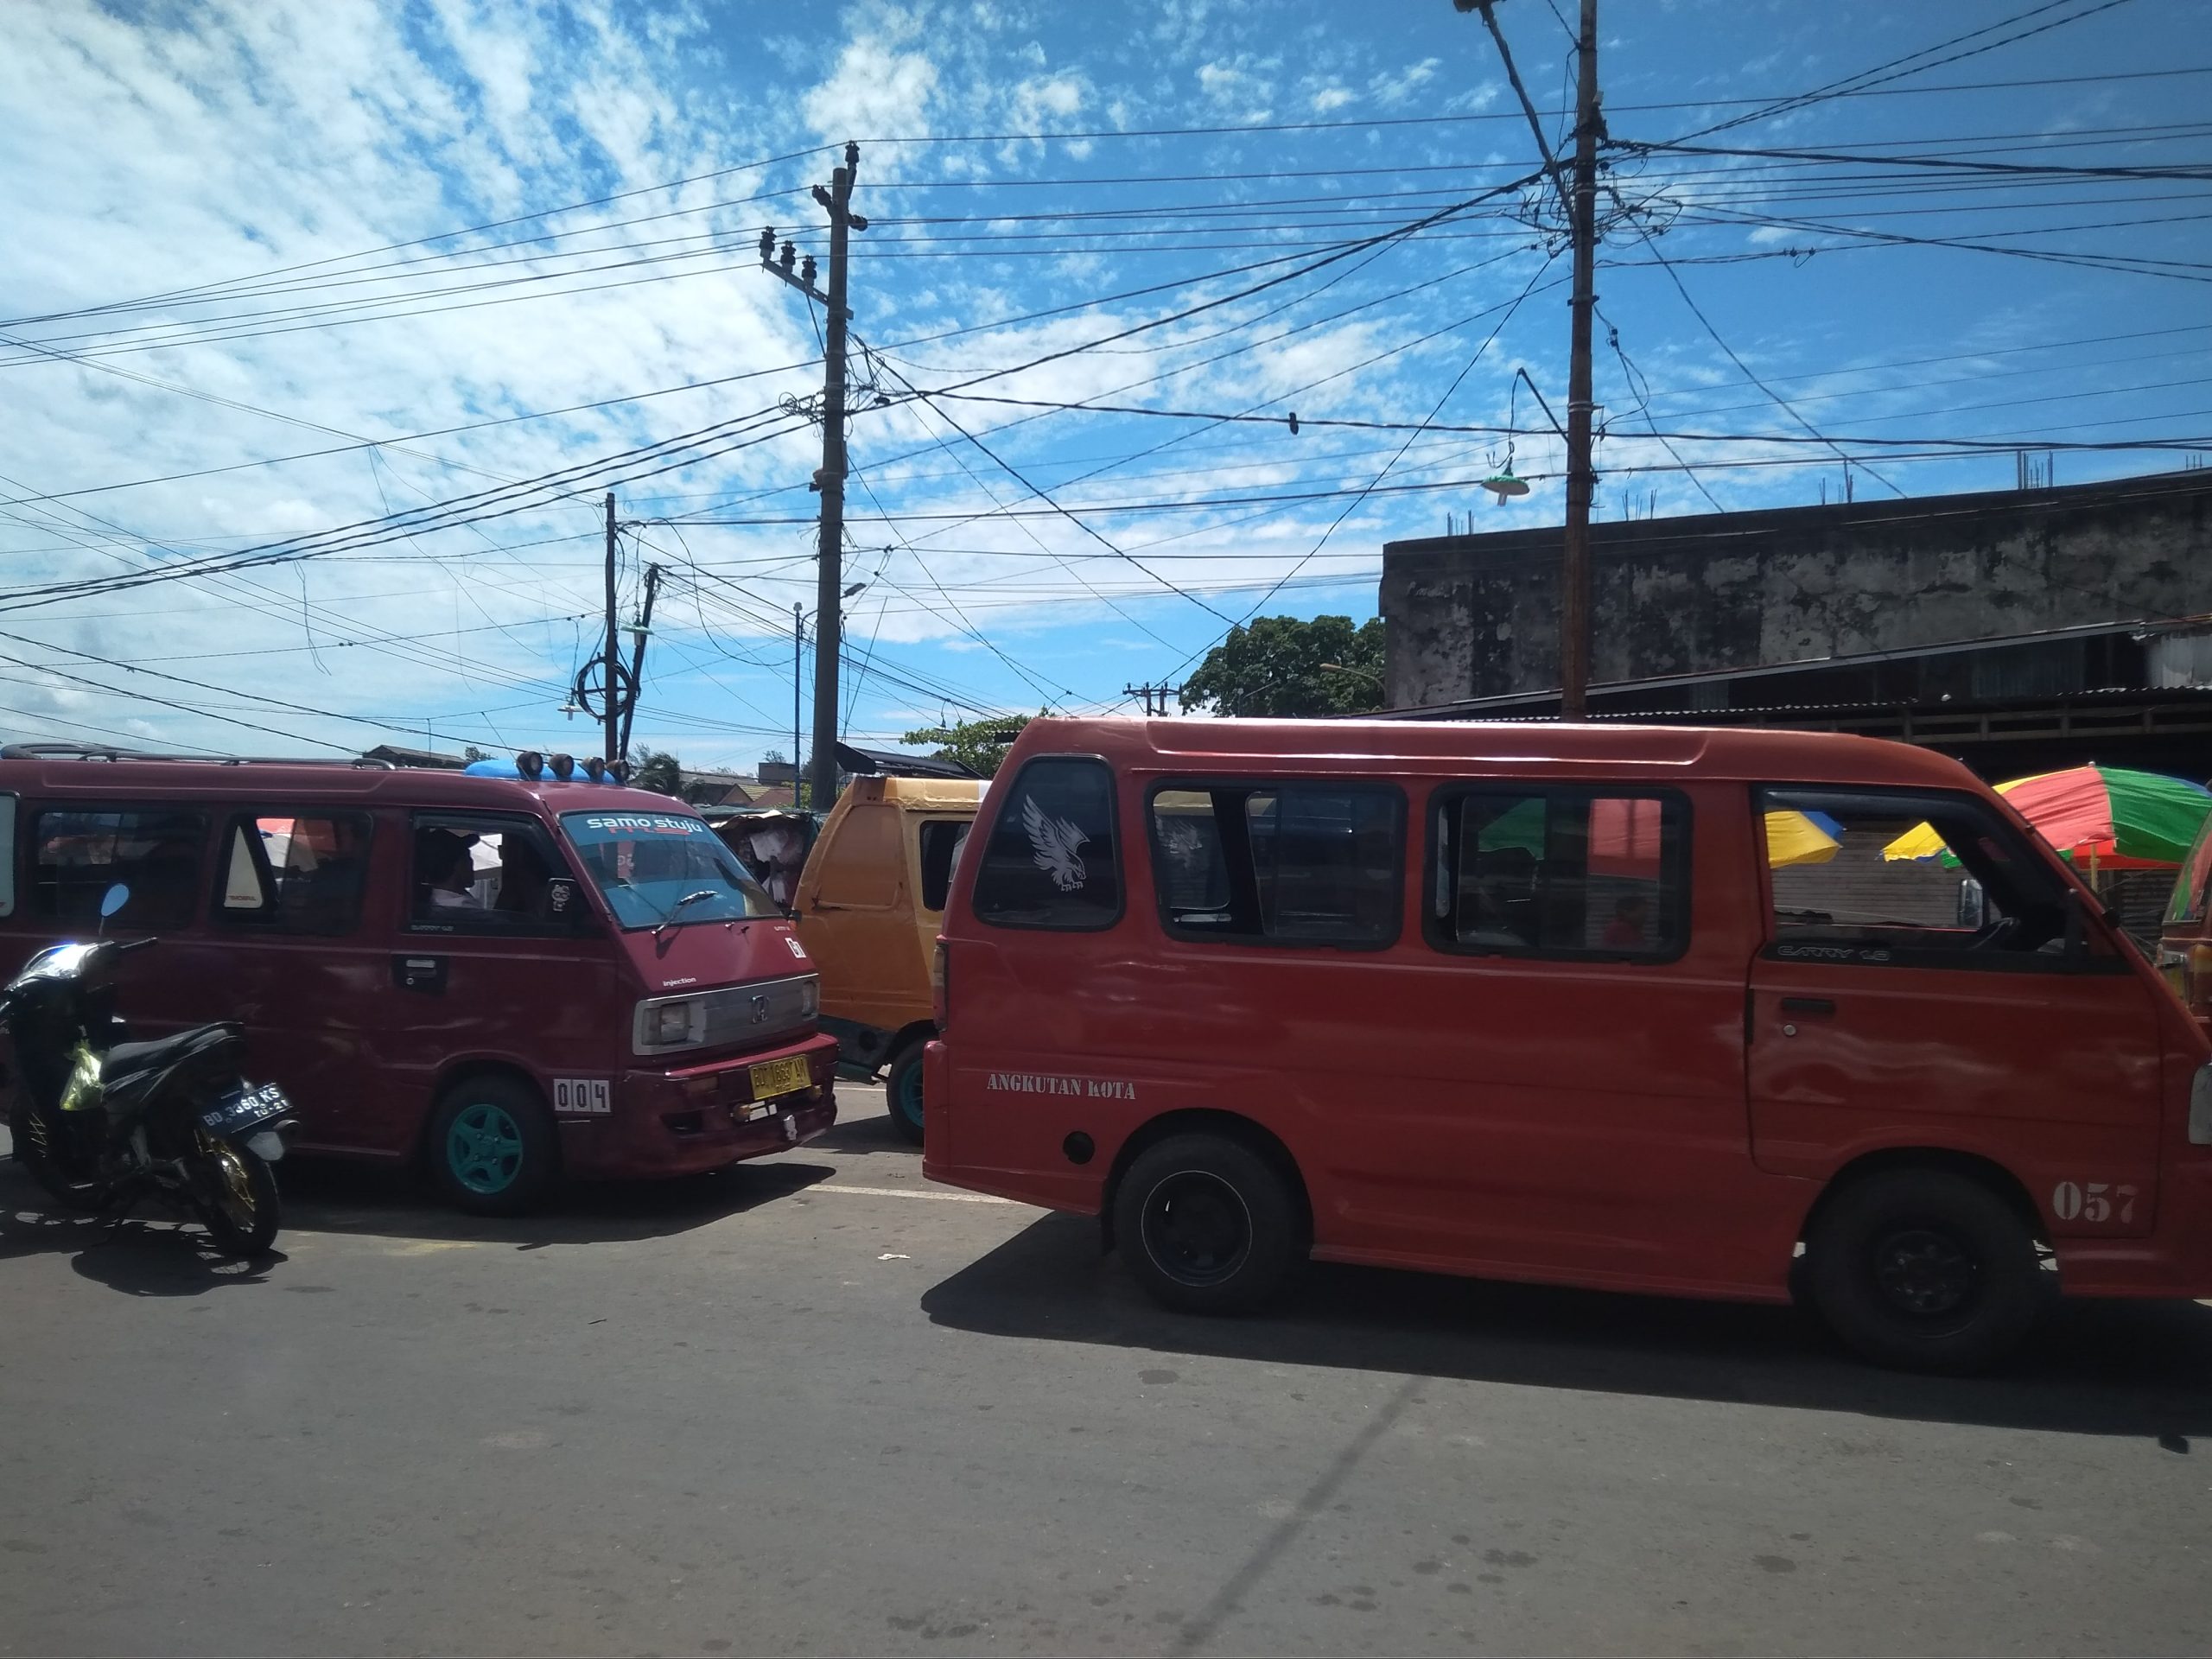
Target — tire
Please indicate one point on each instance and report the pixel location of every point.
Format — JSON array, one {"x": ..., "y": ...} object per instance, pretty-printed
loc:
[
  {"x": 1207, "y": 1224},
  {"x": 902, "y": 1092},
  {"x": 492, "y": 1150},
  {"x": 1924, "y": 1270},
  {"x": 243, "y": 1211}
]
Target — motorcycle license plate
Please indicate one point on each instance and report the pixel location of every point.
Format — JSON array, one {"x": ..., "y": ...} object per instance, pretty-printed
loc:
[
  {"x": 246, "y": 1109},
  {"x": 771, "y": 1077}
]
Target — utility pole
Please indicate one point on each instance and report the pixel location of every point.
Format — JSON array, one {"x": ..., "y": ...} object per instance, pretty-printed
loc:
[
  {"x": 1162, "y": 691},
  {"x": 613, "y": 711},
  {"x": 1581, "y": 477},
  {"x": 798, "y": 660},
  {"x": 638, "y": 633}
]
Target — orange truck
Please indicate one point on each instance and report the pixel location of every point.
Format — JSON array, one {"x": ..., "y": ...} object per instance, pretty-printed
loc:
[{"x": 870, "y": 903}]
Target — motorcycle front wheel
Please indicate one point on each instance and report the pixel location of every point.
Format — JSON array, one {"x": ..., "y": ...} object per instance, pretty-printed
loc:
[{"x": 242, "y": 1209}]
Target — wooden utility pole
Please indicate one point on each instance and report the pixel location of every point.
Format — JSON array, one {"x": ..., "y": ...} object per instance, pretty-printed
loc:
[
  {"x": 612, "y": 711},
  {"x": 1581, "y": 477}
]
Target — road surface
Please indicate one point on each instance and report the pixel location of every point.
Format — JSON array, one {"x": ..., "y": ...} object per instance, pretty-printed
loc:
[{"x": 815, "y": 1405}]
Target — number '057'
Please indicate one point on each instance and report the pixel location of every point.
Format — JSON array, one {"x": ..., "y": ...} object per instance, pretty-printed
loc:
[{"x": 2093, "y": 1201}]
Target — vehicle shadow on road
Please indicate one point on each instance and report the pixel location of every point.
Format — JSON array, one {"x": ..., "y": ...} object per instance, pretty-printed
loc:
[
  {"x": 150, "y": 1254},
  {"x": 2096, "y": 1367},
  {"x": 328, "y": 1196}
]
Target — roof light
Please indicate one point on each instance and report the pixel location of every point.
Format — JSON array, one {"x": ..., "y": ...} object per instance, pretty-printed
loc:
[
  {"x": 530, "y": 764},
  {"x": 563, "y": 767}
]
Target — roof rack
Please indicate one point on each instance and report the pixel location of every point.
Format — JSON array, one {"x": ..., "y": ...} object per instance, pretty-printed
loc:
[{"x": 100, "y": 751}]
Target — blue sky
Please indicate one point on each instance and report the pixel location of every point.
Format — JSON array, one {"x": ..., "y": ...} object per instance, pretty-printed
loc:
[{"x": 239, "y": 311}]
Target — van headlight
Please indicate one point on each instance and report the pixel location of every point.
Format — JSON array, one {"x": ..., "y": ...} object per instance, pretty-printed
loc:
[
  {"x": 674, "y": 1024},
  {"x": 809, "y": 997},
  {"x": 2200, "y": 1108}
]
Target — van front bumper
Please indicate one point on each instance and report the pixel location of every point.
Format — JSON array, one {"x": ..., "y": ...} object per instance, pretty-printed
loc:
[{"x": 693, "y": 1118}]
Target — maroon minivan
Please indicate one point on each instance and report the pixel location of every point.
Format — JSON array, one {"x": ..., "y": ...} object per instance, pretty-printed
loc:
[{"x": 509, "y": 979}]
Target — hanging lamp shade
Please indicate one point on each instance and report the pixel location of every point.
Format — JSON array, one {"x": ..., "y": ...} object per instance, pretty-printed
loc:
[{"x": 1504, "y": 485}]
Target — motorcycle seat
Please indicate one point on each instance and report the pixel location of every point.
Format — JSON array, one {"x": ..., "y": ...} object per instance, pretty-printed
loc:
[{"x": 127, "y": 1063}]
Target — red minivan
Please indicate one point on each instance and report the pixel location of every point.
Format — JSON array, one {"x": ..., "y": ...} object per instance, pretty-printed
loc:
[
  {"x": 1631, "y": 1007},
  {"x": 508, "y": 979}
]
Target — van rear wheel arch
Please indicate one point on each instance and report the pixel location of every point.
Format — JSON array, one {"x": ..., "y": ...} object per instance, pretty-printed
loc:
[
  {"x": 1229, "y": 1126},
  {"x": 1985, "y": 1171}
]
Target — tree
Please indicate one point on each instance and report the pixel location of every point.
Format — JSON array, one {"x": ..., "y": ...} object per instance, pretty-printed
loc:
[
  {"x": 660, "y": 771},
  {"x": 473, "y": 754},
  {"x": 1275, "y": 668},
  {"x": 978, "y": 745},
  {"x": 773, "y": 758}
]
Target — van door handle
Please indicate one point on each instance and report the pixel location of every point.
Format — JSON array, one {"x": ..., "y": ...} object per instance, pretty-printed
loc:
[
  {"x": 425, "y": 974},
  {"x": 1820, "y": 1007}
]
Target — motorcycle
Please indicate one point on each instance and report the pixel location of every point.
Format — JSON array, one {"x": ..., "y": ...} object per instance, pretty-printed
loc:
[{"x": 101, "y": 1123}]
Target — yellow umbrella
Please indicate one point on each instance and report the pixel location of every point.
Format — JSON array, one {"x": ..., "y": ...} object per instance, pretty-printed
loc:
[{"x": 1800, "y": 838}]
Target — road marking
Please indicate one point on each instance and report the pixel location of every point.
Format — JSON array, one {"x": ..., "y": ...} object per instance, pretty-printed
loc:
[{"x": 905, "y": 1193}]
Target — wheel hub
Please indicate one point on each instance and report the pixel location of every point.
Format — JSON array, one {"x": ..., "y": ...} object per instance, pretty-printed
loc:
[
  {"x": 1196, "y": 1227},
  {"x": 1926, "y": 1273}
]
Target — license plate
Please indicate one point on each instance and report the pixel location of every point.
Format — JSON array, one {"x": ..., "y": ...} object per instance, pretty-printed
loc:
[
  {"x": 773, "y": 1077},
  {"x": 245, "y": 1109}
]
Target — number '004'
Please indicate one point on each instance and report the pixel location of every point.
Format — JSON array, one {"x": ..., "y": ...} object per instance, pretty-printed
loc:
[{"x": 2096, "y": 1201}]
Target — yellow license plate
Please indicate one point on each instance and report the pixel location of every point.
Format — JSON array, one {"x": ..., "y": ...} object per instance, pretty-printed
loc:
[{"x": 773, "y": 1077}]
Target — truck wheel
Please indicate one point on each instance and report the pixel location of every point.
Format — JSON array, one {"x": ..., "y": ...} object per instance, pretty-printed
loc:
[
  {"x": 1207, "y": 1225},
  {"x": 1925, "y": 1271},
  {"x": 493, "y": 1151},
  {"x": 902, "y": 1090}
]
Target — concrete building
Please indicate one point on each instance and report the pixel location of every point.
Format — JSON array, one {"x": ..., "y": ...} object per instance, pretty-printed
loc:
[{"x": 2017, "y": 629}]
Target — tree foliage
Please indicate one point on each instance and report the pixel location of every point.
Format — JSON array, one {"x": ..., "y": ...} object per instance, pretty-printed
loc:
[
  {"x": 660, "y": 771},
  {"x": 1273, "y": 668},
  {"x": 978, "y": 745}
]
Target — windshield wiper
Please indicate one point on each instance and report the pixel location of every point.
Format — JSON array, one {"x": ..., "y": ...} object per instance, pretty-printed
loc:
[{"x": 698, "y": 896}]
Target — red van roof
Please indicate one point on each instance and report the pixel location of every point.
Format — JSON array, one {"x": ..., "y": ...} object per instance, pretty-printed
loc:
[
  {"x": 302, "y": 782},
  {"x": 1621, "y": 751}
]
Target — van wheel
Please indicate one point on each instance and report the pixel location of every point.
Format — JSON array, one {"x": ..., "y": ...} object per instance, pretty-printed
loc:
[
  {"x": 1925, "y": 1271},
  {"x": 902, "y": 1090},
  {"x": 1207, "y": 1225},
  {"x": 493, "y": 1151}
]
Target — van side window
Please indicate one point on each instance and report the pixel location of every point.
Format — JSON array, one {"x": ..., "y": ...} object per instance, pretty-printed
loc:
[
  {"x": 941, "y": 839},
  {"x": 1053, "y": 859},
  {"x": 154, "y": 851},
  {"x": 1290, "y": 863},
  {"x": 486, "y": 873},
  {"x": 294, "y": 873},
  {"x": 7, "y": 854},
  {"x": 1570, "y": 872},
  {"x": 1924, "y": 878}
]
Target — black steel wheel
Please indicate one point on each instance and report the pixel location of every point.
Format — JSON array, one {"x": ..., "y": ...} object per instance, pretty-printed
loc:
[
  {"x": 1209, "y": 1224},
  {"x": 1925, "y": 1270}
]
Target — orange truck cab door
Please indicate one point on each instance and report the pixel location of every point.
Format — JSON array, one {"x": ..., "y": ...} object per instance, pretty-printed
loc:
[{"x": 1886, "y": 1011}]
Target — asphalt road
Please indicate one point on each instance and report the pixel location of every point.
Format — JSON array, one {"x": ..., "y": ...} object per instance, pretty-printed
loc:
[{"x": 815, "y": 1405}]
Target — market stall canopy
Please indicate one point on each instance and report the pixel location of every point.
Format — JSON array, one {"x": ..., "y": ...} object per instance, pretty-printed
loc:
[{"x": 2105, "y": 818}]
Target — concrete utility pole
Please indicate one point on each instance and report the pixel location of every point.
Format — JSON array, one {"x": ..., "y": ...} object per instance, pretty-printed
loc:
[
  {"x": 613, "y": 710},
  {"x": 836, "y": 202},
  {"x": 829, "y": 622},
  {"x": 644, "y": 627},
  {"x": 1582, "y": 476},
  {"x": 798, "y": 659}
]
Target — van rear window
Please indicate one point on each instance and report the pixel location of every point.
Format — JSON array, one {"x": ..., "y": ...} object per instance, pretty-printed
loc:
[
  {"x": 1053, "y": 859},
  {"x": 1313, "y": 863},
  {"x": 154, "y": 851}
]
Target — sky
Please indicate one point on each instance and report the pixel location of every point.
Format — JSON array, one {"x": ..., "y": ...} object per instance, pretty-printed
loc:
[{"x": 326, "y": 327}]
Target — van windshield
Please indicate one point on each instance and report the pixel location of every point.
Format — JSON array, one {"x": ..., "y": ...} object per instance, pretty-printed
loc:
[{"x": 647, "y": 864}]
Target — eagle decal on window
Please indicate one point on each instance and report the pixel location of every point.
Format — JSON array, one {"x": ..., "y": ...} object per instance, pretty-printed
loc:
[{"x": 1054, "y": 843}]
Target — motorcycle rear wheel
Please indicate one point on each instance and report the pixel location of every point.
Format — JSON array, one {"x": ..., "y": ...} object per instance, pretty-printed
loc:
[{"x": 243, "y": 1215}]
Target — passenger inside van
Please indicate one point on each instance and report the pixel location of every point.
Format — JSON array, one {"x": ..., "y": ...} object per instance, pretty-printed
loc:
[{"x": 444, "y": 873}]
